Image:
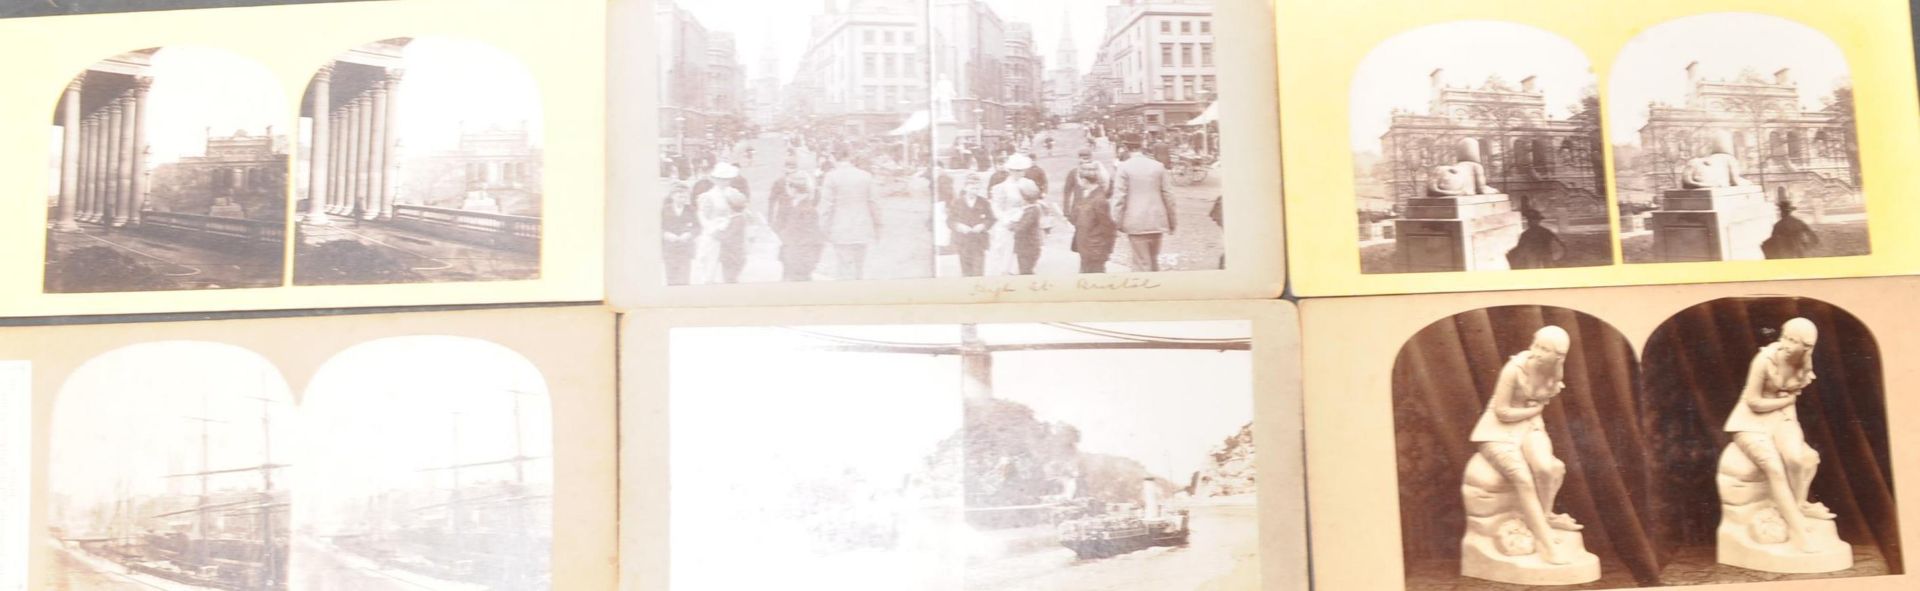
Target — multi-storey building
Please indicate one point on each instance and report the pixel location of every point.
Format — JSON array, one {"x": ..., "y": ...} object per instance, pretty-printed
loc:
[
  {"x": 864, "y": 68},
  {"x": 969, "y": 53},
  {"x": 1160, "y": 56},
  {"x": 1780, "y": 142},
  {"x": 1552, "y": 165}
]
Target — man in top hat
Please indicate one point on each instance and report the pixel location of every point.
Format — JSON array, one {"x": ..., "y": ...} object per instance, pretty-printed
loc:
[
  {"x": 1143, "y": 204},
  {"x": 1792, "y": 238},
  {"x": 1538, "y": 247}
]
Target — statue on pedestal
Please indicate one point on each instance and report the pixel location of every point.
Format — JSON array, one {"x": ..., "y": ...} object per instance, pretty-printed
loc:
[
  {"x": 1467, "y": 176},
  {"x": 943, "y": 95},
  {"x": 1510, "y": 484},
  {"x": 1767, "y": 520},
  {"x": 1716, "y": 168}
]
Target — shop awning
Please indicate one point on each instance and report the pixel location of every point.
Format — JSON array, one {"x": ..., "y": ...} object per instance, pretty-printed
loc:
[
  {"x": 915, "y": 123},
  {"x": 1208, "y": 116}
]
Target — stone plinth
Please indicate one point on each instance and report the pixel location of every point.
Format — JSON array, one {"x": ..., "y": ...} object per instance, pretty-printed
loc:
[
  {"x": 1498, "y": 546},
  {"x": 1717, "y": 224},
  {"x": 1753, "y": 535},
  {"x": 1466, "y": 233}
]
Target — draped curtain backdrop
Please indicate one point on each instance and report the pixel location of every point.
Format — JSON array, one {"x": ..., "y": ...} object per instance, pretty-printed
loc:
[
  {"x": 1441, "y": 382},
  {"x": 1696, "y": 365}
]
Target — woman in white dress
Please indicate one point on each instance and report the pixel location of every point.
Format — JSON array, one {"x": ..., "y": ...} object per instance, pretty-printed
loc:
[
  {"x": 1007, "y": 202},
  {"x": 1766, "y": 427},
  {"x": 713, "y": 208}
]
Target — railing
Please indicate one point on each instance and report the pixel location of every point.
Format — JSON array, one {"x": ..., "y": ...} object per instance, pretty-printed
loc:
[
  {"x": 260, "y": 231},
  {"x": 514, "y": 225},
  {"x": 509, "y": 231}
]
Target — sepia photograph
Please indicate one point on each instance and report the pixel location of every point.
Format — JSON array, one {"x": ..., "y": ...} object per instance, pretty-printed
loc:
[
  {"x": 1769, "y": 423},
  {"x": 426, "y": 466},
  {"x": 793, "y": 140},
  {"x": 421, "y": 163},
  {"x": 1734, "y": 139},
  {"x": 167, "y": 170},
  {"x": 1519, "y": 464},
  {"x": 1076, "y": 136},
  {"x": 1116, "y": 456},
  {"x": 168, "y": 468},
  {"x": 1477, "y": 147}
]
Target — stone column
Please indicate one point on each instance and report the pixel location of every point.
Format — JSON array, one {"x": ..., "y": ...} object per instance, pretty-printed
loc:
[
  {"x": 138, "y": 200},
  {"x": 123, "y": 189},
  {"x": 110, "y": 174},
  {"x": 102, "y": 152},
  {"x": 337, "y": 141},
  {"x": 376, "y": 151},
  {"x": 319, "y": 158},
  {"x": 69, "y": 156},
  {"x": 363, "y": 163},
  {"x": 390, "y": 187},
  {"x": 356, "y": 146},
  {"x": 86, "y": 169}
]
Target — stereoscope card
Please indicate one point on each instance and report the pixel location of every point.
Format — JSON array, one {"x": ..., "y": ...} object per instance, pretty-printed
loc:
[
  {"x": 431, "y": 450},
  {"x": 1047, "y": 446},
  {"x": 313, "y": 155},
  {"x": 848, "y": 151},
  {"x": 1505, "y": 144},
  {"x": 1742, "y": 435}
]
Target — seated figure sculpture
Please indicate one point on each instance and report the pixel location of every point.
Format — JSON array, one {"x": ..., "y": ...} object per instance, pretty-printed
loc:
[
  {"x": 1716, "y": 168},
  {"x": 1767, "y": 520},
  {"x": 1465, "y": 177},
  {"x": 1510, "y": 484}
]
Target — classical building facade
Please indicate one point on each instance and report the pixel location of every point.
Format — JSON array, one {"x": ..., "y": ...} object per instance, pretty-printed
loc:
[
  {"x": 864, "y": 69},
  {"x": 1810, "y": 152},
  {"x": 1021, "y": 83},
  {"x": 1160, "y": 55},
  {"x": 1552, "y": 165},
  {"x": 501, "y": 170},
  {"x": 352, "y": 104},
  {"x": 240, "y": 175},
  {"x": 103, "y": 122},
  {"x": 701, "y": 80},
  {"x": 969, "y": 53}
]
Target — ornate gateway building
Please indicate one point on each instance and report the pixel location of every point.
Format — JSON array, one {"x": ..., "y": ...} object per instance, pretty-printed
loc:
[
  {"x": 1779, "y": 142},
  {"x": 1552, "y": 165}
]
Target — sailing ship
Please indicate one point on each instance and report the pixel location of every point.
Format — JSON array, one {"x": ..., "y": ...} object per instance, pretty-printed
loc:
[
  {"x": 491, "y": 533},
  {"x": 233, "y": 540}
]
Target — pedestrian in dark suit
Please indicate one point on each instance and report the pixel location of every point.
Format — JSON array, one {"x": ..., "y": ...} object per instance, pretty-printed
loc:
[
  {"x": 793, "y": 210},
  {"x": 1091, "y": 213},
  {"x": 679, "y": 226},
  {"x": 969, "y": 217},
  {"x": 1029, "y": 233}
]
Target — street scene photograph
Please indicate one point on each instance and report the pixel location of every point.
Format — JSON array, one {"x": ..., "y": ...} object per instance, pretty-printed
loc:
[
  {"x": 421, "y": 163},
  {"x": 167, "y": 170},
  {"x": 1113, "y": 456},
  {"x": 793, "y": 140},
  {"x": 167, "y": 469},
  {"x": 1477, "y": 147},
  {"x": 1734, "y": 139},
  {"x": 1075, "y": 136},
  {"x": 426, "y": 466}
]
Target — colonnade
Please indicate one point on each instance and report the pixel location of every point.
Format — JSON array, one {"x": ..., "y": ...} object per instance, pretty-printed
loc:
[
  {"x": 103, "y": 158},
  {"x": 354, "y": 162}
]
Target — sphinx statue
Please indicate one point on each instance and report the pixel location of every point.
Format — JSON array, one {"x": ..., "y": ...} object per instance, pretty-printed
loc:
[
  {"x": 1510, "y": 484},
  {"x": 1767, "y": 520},
  {"x": 1466, "y": 176},
  {"x": 1717, "y": 167}
]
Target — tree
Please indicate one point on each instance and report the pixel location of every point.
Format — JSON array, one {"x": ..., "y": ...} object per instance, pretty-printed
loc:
[{"x": 1840, "y": 103}]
